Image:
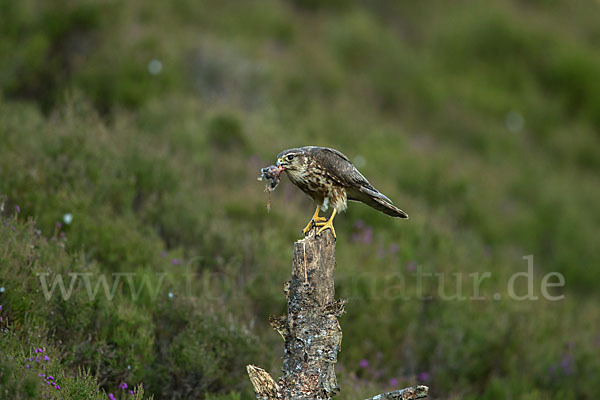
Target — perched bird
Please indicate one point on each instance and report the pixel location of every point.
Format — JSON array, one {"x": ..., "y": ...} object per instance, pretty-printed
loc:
[{"x": 330, "y": 179}]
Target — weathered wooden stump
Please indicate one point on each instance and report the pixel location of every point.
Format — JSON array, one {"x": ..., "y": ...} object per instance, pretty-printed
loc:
[{"x": 310, "y": 330}]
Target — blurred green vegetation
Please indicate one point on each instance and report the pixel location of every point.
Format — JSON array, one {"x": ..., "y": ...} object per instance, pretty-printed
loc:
[{"x": 131, "y": 136}]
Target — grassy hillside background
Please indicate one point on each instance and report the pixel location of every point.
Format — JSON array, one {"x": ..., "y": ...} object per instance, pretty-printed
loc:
[{"x": 131, "y": 136}]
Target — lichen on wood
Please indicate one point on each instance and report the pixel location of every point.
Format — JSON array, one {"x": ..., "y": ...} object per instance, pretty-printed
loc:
[{"x": 417, "y": 392}]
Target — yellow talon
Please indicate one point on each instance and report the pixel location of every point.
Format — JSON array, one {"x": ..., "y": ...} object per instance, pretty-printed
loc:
[
  {"x": 307, "y": 228},
  {"x": 327, "y": 225},
  {"x": 314, "y": 220}
]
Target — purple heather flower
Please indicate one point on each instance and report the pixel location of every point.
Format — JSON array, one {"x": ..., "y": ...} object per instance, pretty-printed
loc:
[
  {"x": 6, "y": 224},
  {"x": 111, "y": 396},
  {"x": 40, "y": 350},
  {"x": 59, "y": 225},
  {"x": 176, "y": 261},
  {"x": 50, "y": 377},
  {"x": 42, "y": 375},
  {"x": 131, "y": 392},
  {"x": 394, "y": 248},
  {"x": 368, "y": 235},
  {"x": 46, "y": 358},
  {"x": 163, "y": 253},
  {"x": 411, "y": 266},
  {"x": 18, "y": 209},
  {"x": 363, "y": 234},
  {"x": 380, "y": 252},
  {"x": 27, "y": 366},
  {"x": 566, "y": 364},
  {"x": 393, "y": 382},
  {"x": 37, "y": 359},
  {"x": 423, "y": 376},
  {"x": 123, "y": 385},
  {"x": 58, "y": 387},
  {"x": 364, "y": 363}
]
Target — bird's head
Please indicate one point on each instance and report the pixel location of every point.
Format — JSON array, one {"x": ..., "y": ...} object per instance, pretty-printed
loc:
[{"x": 292, "y": 159}]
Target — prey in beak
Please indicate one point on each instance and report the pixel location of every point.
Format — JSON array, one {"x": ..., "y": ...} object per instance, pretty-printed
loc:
[{"x": 271, "y": 174}]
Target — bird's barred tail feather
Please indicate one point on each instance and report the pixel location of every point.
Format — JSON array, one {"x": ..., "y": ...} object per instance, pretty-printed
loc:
[
  {"x": 373, "y": 198},
  {"x": 387, "y": 208}
]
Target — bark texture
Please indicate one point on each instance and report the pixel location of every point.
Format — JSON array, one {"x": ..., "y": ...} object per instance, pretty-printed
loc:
[
  {"x": 313, "y": 336},
  {"x": 310, "y": 330},
  {"x": 417, "y": 392}
]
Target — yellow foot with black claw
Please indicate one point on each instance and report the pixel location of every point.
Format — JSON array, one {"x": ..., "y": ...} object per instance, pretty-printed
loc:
[
  {"x": 326, "y": 225},
  {"x": 311, "y": 223}
]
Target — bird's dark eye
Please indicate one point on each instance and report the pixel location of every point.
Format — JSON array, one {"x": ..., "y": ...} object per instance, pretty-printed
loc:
[{"x": 290, "y": 157}]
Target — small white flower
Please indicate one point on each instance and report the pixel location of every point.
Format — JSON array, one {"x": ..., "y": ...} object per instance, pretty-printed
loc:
[
  {"x": 68, "y": 218},
  {"x": 2, "y": 289},
  {"x": 171, "y": 295},
  {"x": 514, "y": 121},
  {"x": 155, "y": 66}
]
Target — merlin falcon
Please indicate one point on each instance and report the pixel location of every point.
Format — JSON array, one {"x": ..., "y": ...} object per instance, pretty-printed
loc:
[{"x": 330, "y": 179}]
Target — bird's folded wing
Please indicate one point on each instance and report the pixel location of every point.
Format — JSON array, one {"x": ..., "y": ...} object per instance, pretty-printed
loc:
[
  {"x": 341, "y": 170},
  {"x": 339, "y": 167}
]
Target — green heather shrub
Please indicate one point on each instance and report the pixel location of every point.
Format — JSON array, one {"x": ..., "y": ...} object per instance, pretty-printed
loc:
[
  {"x": 225, "y": 132},
  {"x": 314, "y": 5},
  {"x": 47, "y": 47},
  {"x": 43, "y": 43},
  {"x": 199, "y": 355},
  {"x": 94, "y": 332},
  {"x": 43, "y": 347},
  {"x": 15, "y": 382},
  {"x": 131, "y": 137}
]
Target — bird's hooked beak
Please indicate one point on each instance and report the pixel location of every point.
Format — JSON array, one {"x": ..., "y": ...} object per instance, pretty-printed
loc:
[{"x": 281, "y": 163}]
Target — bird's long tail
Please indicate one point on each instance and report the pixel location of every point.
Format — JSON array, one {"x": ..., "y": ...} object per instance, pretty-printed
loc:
[
  {"x": 387, "y": 207},
  {"x": 377, "y": 200}
]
